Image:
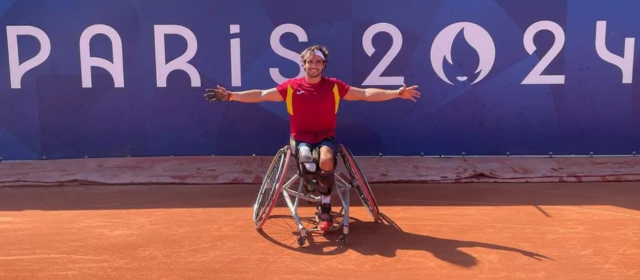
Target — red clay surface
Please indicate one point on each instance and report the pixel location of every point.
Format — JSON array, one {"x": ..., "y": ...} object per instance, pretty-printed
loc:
[{"x": 459, "y": 231}]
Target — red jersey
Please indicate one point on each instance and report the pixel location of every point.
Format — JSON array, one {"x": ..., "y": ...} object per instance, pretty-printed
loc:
[{"x": 312, "y": 108}]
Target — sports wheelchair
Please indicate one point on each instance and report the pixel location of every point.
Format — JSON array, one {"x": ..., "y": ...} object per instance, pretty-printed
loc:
[{"x": 274, "y": 182}]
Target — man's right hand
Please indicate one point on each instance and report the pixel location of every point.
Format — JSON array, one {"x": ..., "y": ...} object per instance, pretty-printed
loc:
[{"x": 217, "y": 94}]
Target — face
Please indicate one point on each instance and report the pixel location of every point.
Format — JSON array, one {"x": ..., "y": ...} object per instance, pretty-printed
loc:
[{"x": 314, "y": 65}]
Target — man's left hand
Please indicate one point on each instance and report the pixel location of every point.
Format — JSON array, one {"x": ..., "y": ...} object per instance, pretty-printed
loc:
[{"x": 409, "y": 92}]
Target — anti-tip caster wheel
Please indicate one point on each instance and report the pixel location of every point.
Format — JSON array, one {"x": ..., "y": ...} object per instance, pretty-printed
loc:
[
  {"x": 343, "y": 239},
  {"x": 302, "y": 240}
]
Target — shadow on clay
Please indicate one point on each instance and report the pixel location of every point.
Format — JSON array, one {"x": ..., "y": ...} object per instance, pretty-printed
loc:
[{"x": 382, "y": 239}]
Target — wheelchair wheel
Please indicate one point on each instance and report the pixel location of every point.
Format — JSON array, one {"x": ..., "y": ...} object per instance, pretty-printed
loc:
[
  {"x": 271, "y": 187},
  {"x": 362, "y": 186}
]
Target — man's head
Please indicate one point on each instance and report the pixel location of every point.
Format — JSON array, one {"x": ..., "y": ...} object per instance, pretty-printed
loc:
[{"x": 314, "y": 60}]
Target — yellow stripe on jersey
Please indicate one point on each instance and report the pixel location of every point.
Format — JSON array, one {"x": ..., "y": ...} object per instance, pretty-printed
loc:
[
  {"x": 290, "y": 100},
  {"x": 336, "y": 96}
]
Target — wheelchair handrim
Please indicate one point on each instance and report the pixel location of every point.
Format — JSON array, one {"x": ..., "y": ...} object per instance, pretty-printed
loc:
[
  {"x": 260, "y": 215},
  {"x": 364, "y": 191}
]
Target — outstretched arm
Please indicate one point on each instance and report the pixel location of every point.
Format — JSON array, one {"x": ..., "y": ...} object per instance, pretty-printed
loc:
[
  {"x": 376, "y": 94},
  {"x": 247, "y": 96}
]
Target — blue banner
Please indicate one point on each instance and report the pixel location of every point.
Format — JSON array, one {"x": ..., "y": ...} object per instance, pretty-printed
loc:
[{"x": 126, "y": 77}]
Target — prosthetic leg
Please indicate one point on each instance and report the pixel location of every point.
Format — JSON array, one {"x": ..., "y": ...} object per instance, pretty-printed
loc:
[
  {"x": 326, "y": 182},
  {"x": 316, "y": 182},
  {"x": 307, "y": 167}
]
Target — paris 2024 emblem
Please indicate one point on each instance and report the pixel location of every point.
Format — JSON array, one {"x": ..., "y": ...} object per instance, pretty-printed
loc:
[{"x": 476, "y": 36}]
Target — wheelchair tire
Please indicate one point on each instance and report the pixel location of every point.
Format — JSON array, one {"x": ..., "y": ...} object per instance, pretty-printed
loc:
[
  {"x": 362, "y": 188},
  {"x": 271, "y": 187}
]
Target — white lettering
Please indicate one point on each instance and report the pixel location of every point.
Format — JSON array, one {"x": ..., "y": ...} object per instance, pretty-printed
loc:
[
  {"x": 535, "y": 76},
  {"x": 625, "y": 63},
  {"x": 86, "y": 61},
  {"x": 375, "y": 77},
  {"x": 180, "y": 63},
  {"x": 236, "y": 66},
  {"x": 477, "y": 37},
  {"x": 282, "y": 51},
  {"x": 16, "y": 69}
]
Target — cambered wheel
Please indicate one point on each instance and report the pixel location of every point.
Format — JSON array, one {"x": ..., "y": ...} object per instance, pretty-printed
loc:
[
  {"x": 271, "y": 187},
  {"x": 361, "y": 185}
]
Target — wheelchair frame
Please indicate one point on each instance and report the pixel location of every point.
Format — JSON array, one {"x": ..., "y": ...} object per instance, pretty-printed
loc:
[{"x": 268, "y": 194}]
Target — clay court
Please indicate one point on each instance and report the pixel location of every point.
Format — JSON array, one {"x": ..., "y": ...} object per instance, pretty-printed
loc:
[
  {"x": 432, "y": 231},
  {"x": 499, "y": 138}
]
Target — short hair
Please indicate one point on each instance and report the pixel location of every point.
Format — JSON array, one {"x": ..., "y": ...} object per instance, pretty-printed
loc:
[{"x": 312, "y": 49}]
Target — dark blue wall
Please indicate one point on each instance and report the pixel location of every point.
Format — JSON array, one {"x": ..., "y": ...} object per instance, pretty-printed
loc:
[{"x": 55, "y": 111}]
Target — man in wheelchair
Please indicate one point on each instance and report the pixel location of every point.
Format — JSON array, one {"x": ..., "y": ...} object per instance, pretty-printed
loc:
[{"x": 312, "y": 102}]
